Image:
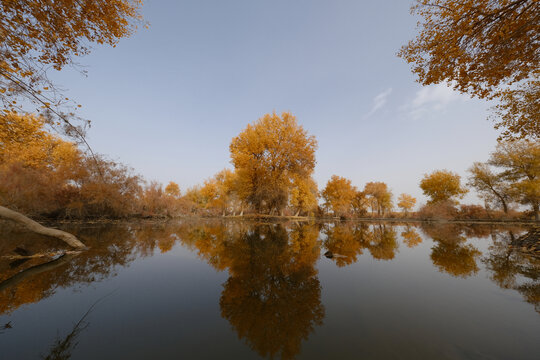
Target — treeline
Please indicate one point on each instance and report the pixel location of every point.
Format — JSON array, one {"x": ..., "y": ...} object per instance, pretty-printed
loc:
[{"x": 43, "y": 175}]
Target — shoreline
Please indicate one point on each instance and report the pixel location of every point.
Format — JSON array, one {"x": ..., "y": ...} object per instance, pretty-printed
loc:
[{"x": 277, "y": 218}]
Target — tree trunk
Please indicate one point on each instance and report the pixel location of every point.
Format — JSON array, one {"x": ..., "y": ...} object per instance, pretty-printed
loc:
[
  {"x": 31, "y": 225},
  {"x": 297, "y": 213},
  {"x": 535, "y": 210}
]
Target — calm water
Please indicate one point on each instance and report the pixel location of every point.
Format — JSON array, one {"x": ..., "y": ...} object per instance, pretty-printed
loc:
[{"x": 241, "y": 290}]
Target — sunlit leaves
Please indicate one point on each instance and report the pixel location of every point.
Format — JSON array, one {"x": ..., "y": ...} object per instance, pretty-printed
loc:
[
  {"x": 268, "y": 156},
  {"x": 442, "y": 185},
  {"x": 488, "y": 49}
]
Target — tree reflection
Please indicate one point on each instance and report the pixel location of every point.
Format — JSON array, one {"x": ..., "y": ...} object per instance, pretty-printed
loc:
[
  {"x": 511, "y": 269},
  {"x": 450, "y": 254},
  {"x": 383, "y": 242},
  {"x": 410, "y": 237},
  {"x": 346, "y": 241},
  {"x": 110, "y": 247},
  {"x": 273, "y": 296}
]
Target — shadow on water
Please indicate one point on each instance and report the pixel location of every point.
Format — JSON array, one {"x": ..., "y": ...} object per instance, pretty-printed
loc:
[{"x": 272, "y": 297}]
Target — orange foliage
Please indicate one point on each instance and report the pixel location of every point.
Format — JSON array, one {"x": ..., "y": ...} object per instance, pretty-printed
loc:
[
  {"x": 483, "y": 48},
  {"x": 268, "y": 156}
]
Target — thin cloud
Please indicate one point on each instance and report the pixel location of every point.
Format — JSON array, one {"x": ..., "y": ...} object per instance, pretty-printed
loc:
[
  {"x": 378, "y": 102},
  {"x": 432, "y": 98}
]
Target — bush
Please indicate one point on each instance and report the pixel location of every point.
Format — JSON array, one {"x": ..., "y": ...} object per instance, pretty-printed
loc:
[
  {"x": 471, "y": 212},
  {"x": 442, "y": 210}
]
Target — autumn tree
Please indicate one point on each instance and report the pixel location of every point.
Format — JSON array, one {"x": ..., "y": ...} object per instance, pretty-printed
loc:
[
  {"x": 219, "y": 191},
  {"x": 380, "y": 197},
  {"x": 268, "y": 155},
  {"x": 172, "y": 189},
  {"x": 360, "y": 203},
  {"x": 519, "y": 162},
  {"x": 338, "y": 195},
  {"x": 490, "y": 186},
  {"x": 488, "y": 49},
  {"x": 442, "y": 185},
  {"x": 406, "y": 202},
  {"x": 38, "y": 36},
  {"x": 303, "y": 195}
]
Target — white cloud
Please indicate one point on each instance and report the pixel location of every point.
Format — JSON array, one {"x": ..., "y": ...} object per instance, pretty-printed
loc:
[
  {"x": 379, "y": 101},
  {"x": 432, "y": 98}
]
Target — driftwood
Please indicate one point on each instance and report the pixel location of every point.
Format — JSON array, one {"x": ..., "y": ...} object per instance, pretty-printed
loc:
[{"x": 31, "y": 225}]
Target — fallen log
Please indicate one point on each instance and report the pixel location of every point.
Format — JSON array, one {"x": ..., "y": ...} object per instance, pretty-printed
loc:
[{"x": 31, "y": 225}]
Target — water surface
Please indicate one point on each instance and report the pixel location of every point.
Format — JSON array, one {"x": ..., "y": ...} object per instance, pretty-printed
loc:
[{"x": 245, "y": 290}]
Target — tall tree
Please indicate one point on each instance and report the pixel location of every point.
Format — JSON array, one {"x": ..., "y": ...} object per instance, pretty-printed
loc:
[
  {"x": 304, "y": 195},
  {"x": 442, "y": 185},
  {"x": 381, "y": 196},
  {"x": 489, "y": 49},
  {"x": 338, "y": 195},
  {"x": 491, "y": 186},
  {"x": 268, "y": 156},
  {"x": 520, "y": 165}
]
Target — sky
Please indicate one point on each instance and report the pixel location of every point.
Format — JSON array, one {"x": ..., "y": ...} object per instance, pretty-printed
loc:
[{"x": 168, "y": 100}]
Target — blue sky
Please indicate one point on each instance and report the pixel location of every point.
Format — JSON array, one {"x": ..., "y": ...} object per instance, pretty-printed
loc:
[{"x": 168, "y": 100}]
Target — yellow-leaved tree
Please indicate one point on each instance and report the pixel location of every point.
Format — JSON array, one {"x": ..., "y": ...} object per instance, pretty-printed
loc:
[
  {"x": 520, "y": 165},
  {"x": 379, "y": 196},
  {"x": 338, "y": 195},
  {"x": 304, "y": 195},
  {"x": 268, "y": 155},
  {"x": 488, "y": 49},
  {"x": 172, "y": 189},
  {"x": 406, "y": 202},
  {"x": 442, "y": 185}
]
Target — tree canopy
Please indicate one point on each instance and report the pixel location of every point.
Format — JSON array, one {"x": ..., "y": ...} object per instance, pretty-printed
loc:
[
  {"x": 37, "y": 35},
  {"x": 489, "y": 49},
  {"x": 268, "y": 156},
  {"x": 442, "y": 185}
]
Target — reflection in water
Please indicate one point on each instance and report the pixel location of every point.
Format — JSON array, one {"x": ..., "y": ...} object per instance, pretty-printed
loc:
[
  {"x": 513, "y": 270},
  {"x": 272, "y": 297},
  {"x": 450, "y": 253},
  {"x": 410, "y": 237},
  {"x": 347, "y": 241}
]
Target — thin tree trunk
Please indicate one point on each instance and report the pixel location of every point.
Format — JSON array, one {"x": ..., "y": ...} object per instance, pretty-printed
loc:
[{"x": 31, "y": 225}]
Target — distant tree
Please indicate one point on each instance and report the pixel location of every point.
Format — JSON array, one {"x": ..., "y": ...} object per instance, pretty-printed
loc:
[
  {"x": 520, "y": 165},
  {"x": 442, "y": 185},
  {"x": 268, "y": 156},
  {"x": 304, "y": 195},
  {"x": 219, "y": 192},
  {"x": 381, "y": 196},
  {"x": 172, "y": 189},
  {"x": 360, "y": 203},
  {"x": 489, "y": 49},
  {"x": 491, "y": 187},
  {"x": 338, "y": 195},
  {"x": 406, "y": 202}
]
